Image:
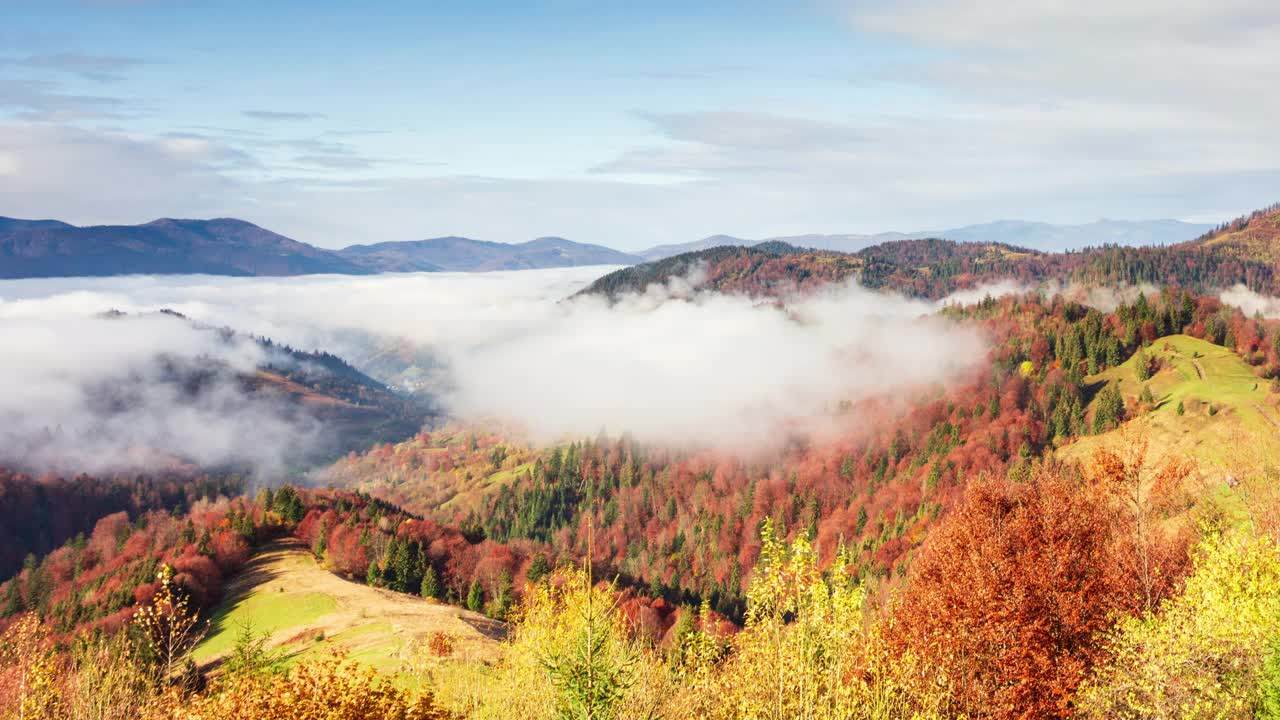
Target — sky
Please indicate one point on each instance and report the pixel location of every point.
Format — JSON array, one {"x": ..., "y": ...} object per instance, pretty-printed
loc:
[{"x": 635, "y": 124}]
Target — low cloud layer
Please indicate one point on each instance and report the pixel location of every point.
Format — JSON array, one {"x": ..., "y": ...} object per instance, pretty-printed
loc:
[
  {"x": 1251, "y": 302},
  {"x": 708, "y": 369},
  {"x": 82, "y": 392}
]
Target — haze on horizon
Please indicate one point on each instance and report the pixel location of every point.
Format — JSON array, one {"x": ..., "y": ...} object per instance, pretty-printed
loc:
[{"x": 336, "y": 123}]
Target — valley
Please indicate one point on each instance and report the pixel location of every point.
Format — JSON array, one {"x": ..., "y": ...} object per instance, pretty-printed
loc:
[
  {"x": 639, "y": 361},
  {"x": 1038, "y": 431}
]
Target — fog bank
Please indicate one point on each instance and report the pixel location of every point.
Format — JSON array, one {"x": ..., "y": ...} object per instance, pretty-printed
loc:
[{"x": 702, "y": 368}]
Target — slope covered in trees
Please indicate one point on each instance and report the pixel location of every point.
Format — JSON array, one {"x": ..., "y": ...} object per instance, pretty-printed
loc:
[
  {"x": 1046, "y": 594},
  {"x": 99, "y": 578},
  {"x": 1245, "y": 252},
  {"x": 845, "y": 565},
  {"x": 684, "y": 524},
  {"x": 1253, "y": 237}
]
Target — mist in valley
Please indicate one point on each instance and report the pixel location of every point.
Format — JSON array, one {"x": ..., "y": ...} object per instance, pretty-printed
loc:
[{"x": 670, "y": 366}]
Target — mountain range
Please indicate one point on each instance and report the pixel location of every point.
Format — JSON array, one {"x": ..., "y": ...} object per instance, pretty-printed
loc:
[
  {"x": 1045, "y": 237},
  {"x": 467, "y": 255},
  {"x": 227, "y": 246}
]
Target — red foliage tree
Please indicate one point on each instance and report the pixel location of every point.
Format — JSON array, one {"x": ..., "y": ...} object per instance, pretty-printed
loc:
[{"x": 1010, "y": 595}]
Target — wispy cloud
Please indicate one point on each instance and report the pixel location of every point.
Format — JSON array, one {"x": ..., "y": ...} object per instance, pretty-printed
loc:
[
  {"x": 44, "y": 101},
  {"x": 98, "y": 68},
  {"x": 281, "y": 116}
]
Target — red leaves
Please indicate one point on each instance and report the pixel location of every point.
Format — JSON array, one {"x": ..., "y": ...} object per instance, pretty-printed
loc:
[{"x": 1011, "y": 593}]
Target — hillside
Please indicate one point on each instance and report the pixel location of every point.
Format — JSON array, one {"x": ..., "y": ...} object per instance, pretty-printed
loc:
[
  {"x": 659, "y": 252},
  {"x": 222, "y": 246},
  {"x": 1253, "y": 237},
  {"x": 940, "y": 498},
  {"x": 771, "y": 269},
  {"x": 459, "y": 254},
  {"x": 1225, "y": 406},
  {"x": 307, "y": 611},
  {"x": 932, "y": 268},
  {"x": 326, "y": 406},
  {"x": 926, "y": 268}
]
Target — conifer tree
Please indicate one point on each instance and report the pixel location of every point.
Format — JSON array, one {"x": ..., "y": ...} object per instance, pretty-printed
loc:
[{"x": 430, "y": 586}]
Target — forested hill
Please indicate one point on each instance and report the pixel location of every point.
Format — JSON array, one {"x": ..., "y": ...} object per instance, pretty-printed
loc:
[
  {"x": 762, "y": 270},
  {"x": 1245, "y": 251},
  {"x": 1253, "y": 237}
]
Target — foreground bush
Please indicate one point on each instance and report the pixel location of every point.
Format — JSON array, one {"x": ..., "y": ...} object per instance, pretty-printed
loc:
[
  {"x": 1207, "y": 653},
  {"x": 329, "y": 689}
]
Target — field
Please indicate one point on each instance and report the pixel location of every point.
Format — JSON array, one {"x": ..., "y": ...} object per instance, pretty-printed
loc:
[
  {"x": 1226, "y": 408},
  {"x": 306, "y": 611}
]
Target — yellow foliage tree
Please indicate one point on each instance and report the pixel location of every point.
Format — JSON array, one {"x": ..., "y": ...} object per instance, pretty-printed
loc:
[
  {"x": 29, "y": 673},
  {"x": 807, "y": 651},
  {"x": 328, "y": 689},
  {"x": 569, "y": 656},
  {"x": 108, "y": 679},
  {"x": 1201, "y": 655},
  {"x": 169, "y": 624}
]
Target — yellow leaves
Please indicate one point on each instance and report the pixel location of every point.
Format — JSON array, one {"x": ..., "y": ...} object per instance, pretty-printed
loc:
[
  {"x": 806, "y": 650},
  {"x": 1201, "y": 654},
  {"x": 328, "y": 689},
  {"x": 569, "y": 655},
  {"x": 169, "y": 624},
  {"x": 29, "y": 673}
]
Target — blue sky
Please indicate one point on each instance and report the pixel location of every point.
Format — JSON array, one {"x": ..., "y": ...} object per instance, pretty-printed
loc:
[{"x": 633, "y": 124}]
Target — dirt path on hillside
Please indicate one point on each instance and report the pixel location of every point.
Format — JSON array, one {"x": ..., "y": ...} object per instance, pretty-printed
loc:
[
  {"x": 1199, "y": 369},
  {"x": 1267, "y": 416}
]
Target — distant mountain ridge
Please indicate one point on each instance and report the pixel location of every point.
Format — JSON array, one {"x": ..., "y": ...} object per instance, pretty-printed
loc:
[
  {"x": 227, "y": 246},
  {"x": 1045, "y": 237},
  {"x": 222, "y": 246},
  {"x": 459, "y": 254}
]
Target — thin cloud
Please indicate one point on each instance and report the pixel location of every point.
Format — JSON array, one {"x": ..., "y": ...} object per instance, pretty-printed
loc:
[
  {"x": 98, "y": 68},
  {"x": 279, "y": 116}
]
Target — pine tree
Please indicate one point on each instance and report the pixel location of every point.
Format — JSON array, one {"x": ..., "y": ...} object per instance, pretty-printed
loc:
[
  {"x": 538, "y": 568},
  {"x": 320, "y": 545},
  {"x": 475, "y": 597},
  {"x": 430, "y": 586},
  {"x": 1142, "y": 364},
  {"x": 502, "y": 598},
  {"x": 1110, "y": 409},
  {"x": 597, "y": 669}
]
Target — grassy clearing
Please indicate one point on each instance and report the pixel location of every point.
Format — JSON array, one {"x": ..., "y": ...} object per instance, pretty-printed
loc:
[
  {"x": 1224, "y": 405},
  {"x": 267, "y": 612},
  {"x": 306, "y": 611}
]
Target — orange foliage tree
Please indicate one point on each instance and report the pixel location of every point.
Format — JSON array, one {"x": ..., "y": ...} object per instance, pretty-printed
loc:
[
  {"x": 1010, "y": 596},
  {"x": 1145, "y": 491}
]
